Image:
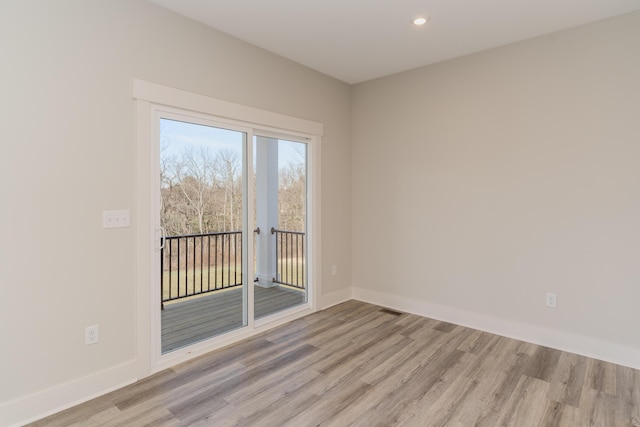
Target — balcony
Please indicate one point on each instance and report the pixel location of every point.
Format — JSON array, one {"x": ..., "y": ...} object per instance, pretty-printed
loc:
[
  {"x": 187, "y": 321},
  {"x": 201, "y": 283}
]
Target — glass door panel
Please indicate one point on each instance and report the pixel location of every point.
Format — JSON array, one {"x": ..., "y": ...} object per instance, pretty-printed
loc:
[
  {"x": 203, "y": 290},
  {"x": 281, "y": 218}
]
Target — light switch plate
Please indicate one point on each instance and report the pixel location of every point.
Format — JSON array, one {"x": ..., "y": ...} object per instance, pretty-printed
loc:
[{"x": 115, "y": 219}]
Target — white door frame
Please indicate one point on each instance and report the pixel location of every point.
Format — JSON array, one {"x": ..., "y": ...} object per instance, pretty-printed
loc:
[{"x": 153, "y": 100}]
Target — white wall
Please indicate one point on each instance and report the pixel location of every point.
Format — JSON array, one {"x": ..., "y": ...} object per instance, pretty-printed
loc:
[
  {"x": 68, "y": 152},
  {"x": 481, "y": 183}
]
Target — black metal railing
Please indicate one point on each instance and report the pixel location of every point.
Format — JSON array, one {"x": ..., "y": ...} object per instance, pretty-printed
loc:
[
  {"x": 200, "y": 263},
  {"x": 290, "y": 258}
]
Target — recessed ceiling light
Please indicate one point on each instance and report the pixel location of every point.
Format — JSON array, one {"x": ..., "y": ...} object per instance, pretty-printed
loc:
[{"x": 420, "y": 20}]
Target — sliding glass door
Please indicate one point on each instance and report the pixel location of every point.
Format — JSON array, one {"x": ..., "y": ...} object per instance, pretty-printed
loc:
[
  {"x": 221, "y": 269},
  {"x": 281, "y": 217},
  {"x": 202, "y": 209}
]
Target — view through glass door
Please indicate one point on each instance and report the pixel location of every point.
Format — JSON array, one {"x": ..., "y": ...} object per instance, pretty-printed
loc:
[
  {"x": 201, "y": 213},
  {"x": 281, "y": 217},
  {"x": 203, "y": 197}
]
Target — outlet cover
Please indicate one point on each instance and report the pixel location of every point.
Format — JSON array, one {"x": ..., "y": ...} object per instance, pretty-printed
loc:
[
  {"x": 91, "y": 335},
  {"x": 551, "y": 300}
]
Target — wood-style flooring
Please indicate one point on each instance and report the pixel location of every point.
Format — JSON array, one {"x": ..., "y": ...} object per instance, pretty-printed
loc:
[{"x": 357, "y": 364}]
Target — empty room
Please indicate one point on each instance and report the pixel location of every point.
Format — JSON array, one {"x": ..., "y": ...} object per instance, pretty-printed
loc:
[{"x": 285, "y": 213}]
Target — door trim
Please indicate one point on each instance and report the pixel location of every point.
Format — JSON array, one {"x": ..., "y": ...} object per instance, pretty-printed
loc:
[{"x": 151, "y": 97}]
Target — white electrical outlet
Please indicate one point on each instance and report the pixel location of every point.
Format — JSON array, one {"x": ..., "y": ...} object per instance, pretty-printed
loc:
[
  {"x": 334, "y": 270},
  {"x": 551, "y": 300},
  {"x": 91, "y": 335},
  {"x": 115, "y": 219}
]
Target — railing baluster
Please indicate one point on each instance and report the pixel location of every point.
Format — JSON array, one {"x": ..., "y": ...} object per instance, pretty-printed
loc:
[
  {"x": 193, "y": 267},
  {"x": 281, "y": 257},
  {"x": 216, "y": 264},
  {"x": 170, "y": 269},
  {"x": 208, "y": 263},
  {"x": 186, "y": 268},
  {"x": 222, "y": 254},
  {"x": 275, "y": 279},
  {"x": 178, "y": 270}
]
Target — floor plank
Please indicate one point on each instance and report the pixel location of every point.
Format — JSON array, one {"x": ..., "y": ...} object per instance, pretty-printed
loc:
[{"x": 355, "y": 364}]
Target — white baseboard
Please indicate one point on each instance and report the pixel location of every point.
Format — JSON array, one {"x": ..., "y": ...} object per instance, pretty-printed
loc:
[
  {"x": 335, "y": 298},
  {"x": 561, "y": 340},
  {"x": 50, "y": 401}
]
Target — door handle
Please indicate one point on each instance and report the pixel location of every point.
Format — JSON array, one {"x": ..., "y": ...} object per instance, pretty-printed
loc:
[{"x": 163, "y": 238}]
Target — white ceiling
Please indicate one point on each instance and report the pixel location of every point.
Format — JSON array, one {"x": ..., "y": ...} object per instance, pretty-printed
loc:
[{"x": 359, "y": 40}]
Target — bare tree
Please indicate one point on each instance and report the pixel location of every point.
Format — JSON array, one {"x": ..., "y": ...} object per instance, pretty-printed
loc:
[
  {"x": 292, "y": 190},
  {"x": 186, "y": 182},
  {"x": 194, "y": 172},
  {"x": 229, "y": 173}
]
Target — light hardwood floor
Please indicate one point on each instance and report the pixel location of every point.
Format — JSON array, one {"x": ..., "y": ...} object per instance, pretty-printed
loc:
[{"x": 357, "y": 364}]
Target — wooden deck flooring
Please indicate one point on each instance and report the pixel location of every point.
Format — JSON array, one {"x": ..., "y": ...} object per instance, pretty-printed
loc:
[
  {"x": 357, "y": 365},
  {"x": 190, "y": 321}
]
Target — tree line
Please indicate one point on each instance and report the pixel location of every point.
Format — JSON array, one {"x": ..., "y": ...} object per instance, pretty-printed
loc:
[{"x": 201, "y": 192}]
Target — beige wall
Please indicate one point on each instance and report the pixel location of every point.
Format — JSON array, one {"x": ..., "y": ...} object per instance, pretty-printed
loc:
[
  {"x": 481, "y": 183},
  {"x": 68, "y": 152}
]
